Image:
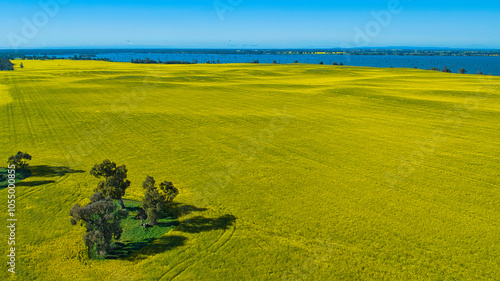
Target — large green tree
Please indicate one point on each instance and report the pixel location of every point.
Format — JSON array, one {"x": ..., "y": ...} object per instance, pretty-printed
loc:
[
  {"x": 20, "y": 160},
  {"x": 156, "y": 200},
  {"x": 114, "y": 183},
  {"x": 102, "y": 219}
]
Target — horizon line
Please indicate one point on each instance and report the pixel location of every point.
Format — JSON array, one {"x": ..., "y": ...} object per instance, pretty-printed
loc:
[{"x": 242, "y": 48}]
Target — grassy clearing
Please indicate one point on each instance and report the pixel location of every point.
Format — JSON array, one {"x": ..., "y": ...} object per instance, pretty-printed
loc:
[
  {"x": 4, "y": 177},
  {"x": 285, "y": 172},
  {"x": 134, "y": 236}
]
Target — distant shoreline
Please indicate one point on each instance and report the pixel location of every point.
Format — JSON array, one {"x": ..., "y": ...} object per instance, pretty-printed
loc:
[
  {"x": 354, "y": 52},
  {"x": 470, "y": 61}
]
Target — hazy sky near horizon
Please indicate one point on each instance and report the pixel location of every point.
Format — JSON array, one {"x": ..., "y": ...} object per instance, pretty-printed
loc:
[{"x": 249, "y": 23}]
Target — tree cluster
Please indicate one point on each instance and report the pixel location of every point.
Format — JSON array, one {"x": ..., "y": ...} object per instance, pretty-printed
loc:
[
  {"x": 446, "y": 69},
  {"x": 114, "y": 181},
  {"x": 156, "y": 200},
  {"x": 6, "y": 64},
  {"x": 102, "y": 219},
  {"x": 102, "y": 216},
  {"x": 88, "y": 57},
  {"x": 150, "y": 61}
]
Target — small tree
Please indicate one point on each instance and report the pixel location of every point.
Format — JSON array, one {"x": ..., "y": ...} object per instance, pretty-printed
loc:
[
  {"x": 155, "y": 201},
  {"x": 462, "y": 71},
  {"x": 445, "y": 69},
  {"x": 115, "y": 180},
  {"x": 169, "y": 191},
  {"x": 335, "y": 63},
  {"x": 296, "y": 61},
  {"x": 321, "y": 62},
  {"x": 274, "y": 62},
  {"x": 102, "y": 219},
  {"x": 341, "y": 64},
  {"x": 435, "y": 68},
  {"x": 20, "y": 160},
  {"x": 21, "y": 66}
]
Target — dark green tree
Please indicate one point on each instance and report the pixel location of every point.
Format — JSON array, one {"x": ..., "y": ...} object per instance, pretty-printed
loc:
[
  {"x": 462, "y": 71},
  {"x": 20, "y": 160},
  {"x": 102, "y": 219},
  {"x": 169, "y": 191},
  {"x": 114, "y": 183},
  {"x": 21, "y": 66},
  {"x": 156, "y": 201},
  {"x": 445, "y": 69},
  {"x": 141, "y": 214},
  {"x": 321, "y": 62},
  {"x": 6, "y": 64}
]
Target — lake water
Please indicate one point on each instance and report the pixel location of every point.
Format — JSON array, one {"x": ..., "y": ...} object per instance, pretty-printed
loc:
[{"x": 487, "y": 65}]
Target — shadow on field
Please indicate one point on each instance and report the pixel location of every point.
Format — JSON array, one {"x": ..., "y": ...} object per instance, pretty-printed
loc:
[
  {"x": 147, "y": 247},
  {"x": 181, "y": 209},
  {"x": 33, "y": 183},
  {"x": 201, "y": 224},
  {"x": 4, "y": 177},
  {"x": 51, "y": 171},
  {"x": 132, "y": 208}
]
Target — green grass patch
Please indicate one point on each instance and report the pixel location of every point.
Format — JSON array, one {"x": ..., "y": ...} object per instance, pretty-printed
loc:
[
  {"x": 135, "y": 236},
  {"x": 4, "y": 180}
]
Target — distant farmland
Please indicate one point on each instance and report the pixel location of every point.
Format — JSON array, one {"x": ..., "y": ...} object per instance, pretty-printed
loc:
[{"x": 285, "y": 172}]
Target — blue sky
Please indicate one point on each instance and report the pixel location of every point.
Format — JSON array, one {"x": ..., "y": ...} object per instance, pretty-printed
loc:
[{"x": 250, "y": 23}]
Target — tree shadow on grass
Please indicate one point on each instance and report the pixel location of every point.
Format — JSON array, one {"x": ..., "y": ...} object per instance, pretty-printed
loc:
[
  {"x": 181, "y": 209},
  {"x": 4, "y": 177},
  {"x": 51, "y": 171},
  {"x": 201, "y": 224},
  {"x": 131, "y": 208},
  {"x": 147, "y": 247},
  {"x": 33, "y": 183}
]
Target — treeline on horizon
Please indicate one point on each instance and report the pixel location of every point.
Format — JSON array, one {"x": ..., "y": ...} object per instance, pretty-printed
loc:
[
  {"x": 6, "y": 64},
  {"x": 150, "y": 61}
]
